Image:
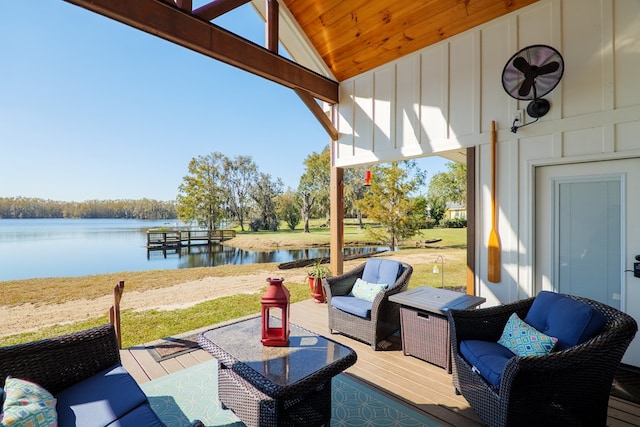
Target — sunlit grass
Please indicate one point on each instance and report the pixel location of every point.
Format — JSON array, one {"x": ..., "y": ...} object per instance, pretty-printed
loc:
[{"x": 146, "y": 326}]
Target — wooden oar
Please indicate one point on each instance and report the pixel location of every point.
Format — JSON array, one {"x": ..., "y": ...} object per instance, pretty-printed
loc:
[{"x": 493, "y": 273}]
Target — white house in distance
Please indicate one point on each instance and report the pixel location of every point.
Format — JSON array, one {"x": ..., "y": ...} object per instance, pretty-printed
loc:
[{"x": 411, "y": 79}]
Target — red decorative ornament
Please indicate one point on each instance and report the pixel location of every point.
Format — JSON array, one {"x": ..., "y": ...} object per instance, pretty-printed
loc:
[
  {"x": 367, "y": 178},
  {"x": 275, "y": 329}
]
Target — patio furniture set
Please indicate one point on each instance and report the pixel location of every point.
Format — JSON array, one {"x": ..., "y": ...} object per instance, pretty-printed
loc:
[{"x": 553, "y": 355}]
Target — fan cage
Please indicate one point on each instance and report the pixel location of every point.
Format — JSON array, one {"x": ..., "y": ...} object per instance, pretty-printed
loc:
[{"x": 538, "y": 55}]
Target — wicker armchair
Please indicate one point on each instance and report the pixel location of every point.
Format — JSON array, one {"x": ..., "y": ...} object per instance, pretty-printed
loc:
[
  {"x": 385, "y": 315},
  {"x": 568, "y": 387}
]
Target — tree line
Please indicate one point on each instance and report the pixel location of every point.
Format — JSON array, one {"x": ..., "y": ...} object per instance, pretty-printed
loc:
[
  {"x": 25, "y": 207},
  {"x": 218, "y": 188}
]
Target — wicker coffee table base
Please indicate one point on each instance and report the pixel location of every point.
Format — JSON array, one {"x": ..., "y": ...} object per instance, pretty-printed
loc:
[{"x": 255, "y": 408}]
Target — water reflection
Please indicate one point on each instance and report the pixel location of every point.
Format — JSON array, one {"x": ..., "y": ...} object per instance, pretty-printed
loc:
[
  {"x": 31, "y": 248},
  {"x": 210, "y": 256}
]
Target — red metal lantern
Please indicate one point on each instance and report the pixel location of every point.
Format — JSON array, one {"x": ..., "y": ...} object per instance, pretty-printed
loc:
[
  {"x": 275, "y": 330},
  {"x": 367, "y": 178}
]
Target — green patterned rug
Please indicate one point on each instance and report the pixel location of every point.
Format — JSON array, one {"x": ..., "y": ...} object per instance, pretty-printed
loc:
[{"x": 192, "y": 394}]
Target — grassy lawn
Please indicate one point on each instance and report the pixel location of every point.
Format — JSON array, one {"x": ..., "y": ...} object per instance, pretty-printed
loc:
[{"x": 149, "y": 325}]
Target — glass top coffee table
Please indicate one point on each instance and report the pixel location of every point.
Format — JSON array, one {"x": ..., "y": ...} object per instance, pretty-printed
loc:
[{"x": 275, "y": 386}]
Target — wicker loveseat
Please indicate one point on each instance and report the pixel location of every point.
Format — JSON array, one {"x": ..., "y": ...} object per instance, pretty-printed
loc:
[
  {"x": 368, "y": 321},
  {"x": 569, "y": 386},
  {"x": 83, "y": 373}
]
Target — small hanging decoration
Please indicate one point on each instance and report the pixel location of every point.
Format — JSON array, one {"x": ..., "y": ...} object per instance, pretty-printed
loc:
[
  {"x": 275, "y": 330},
  {"x": 367, "y": 178}
]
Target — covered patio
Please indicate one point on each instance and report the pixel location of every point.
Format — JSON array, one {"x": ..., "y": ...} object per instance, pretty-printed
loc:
[
  {"x": 391, "y": 81},
  {"x": 422, "y": 386}
]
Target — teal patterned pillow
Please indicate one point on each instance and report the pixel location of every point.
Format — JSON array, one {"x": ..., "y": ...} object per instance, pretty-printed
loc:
[
  {"x": 367, "y": 291},
  {"x": 525, "y": 340},
  {"x": 27, "y": 404}
]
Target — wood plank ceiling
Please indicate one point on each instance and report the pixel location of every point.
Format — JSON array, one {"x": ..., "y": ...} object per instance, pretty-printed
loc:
[{"x": 354, "y": 36}]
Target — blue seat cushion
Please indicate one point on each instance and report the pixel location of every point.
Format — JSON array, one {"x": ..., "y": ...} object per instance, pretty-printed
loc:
[
  {"x": 384, "y": 271},
  {"x": 353, "y": 305},
  {"x": 142, "y": 416},
  {"x": 572, "y": 322},
  {"x": 489, "y": 358},
  {"x": 99, "y": 400}
]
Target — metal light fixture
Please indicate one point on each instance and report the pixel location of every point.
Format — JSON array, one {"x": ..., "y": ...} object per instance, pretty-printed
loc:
[{"x": 437, "y": 270}]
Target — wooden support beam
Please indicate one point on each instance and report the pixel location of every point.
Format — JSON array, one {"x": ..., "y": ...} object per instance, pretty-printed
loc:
[
  {"x": 169, "y": 22},
  {"x": 336, "y": 212},
  {"x": 184, "y": 4},
  {"x": 217, "y": 8},
  {"x": 471, "y": 220},
  {"x": 272, "y": 26},
  {"x": 319, "y": 114}
]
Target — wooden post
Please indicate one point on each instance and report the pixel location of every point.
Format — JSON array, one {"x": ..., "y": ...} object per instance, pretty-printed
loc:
[
  {"x": 114, "y": 311},
  {"x": 336, "y": 197}
]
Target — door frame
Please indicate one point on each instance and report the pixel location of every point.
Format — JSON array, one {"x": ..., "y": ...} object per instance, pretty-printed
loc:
[
  {"x": 530, "y": 219},
  {"x": 630, "y": 303}
]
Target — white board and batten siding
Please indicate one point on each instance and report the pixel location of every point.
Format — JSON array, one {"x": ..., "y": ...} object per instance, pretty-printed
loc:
[{"x": 444, "y": 98}]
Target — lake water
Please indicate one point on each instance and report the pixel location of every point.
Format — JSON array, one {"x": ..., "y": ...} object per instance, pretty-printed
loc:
[{"x": 33, "y": 248}]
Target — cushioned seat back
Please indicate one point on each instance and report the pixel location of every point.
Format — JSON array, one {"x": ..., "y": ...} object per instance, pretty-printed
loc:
[
  {"x": 384, "y": 271},
  {"x": 572, "y": 322}
]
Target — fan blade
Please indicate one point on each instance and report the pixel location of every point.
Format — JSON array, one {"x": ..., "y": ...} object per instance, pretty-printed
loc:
[
  {"x": 551, "y": 67},
  {"x": 521, "y": 64},
  {"x": 526, "y": 87}
]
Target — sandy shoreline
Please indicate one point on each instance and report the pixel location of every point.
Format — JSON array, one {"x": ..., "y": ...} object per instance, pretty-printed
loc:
[{"x": 29, "y": 317}]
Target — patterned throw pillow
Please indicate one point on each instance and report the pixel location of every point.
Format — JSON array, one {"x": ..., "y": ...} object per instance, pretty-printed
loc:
[
  {"x": 27, "y": 404},
  {"x": 524, "y": 340},
  {"x": 367, "y": 291}
]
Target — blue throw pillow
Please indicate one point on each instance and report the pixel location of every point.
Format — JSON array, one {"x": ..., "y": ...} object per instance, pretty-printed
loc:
[{"x": 525, "y": 340}]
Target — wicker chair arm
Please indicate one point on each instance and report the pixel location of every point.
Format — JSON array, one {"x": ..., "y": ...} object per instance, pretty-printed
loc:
[
  {"x": 485, "y": 324},
  {"x": 56, "y": 363}
]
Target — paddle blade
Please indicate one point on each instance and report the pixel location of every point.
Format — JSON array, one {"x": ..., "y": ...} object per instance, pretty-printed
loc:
[{"x": 493, "y": 273}]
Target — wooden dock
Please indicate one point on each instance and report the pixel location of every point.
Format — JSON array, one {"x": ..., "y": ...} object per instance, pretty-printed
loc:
[{"x": 164, "y": 239}]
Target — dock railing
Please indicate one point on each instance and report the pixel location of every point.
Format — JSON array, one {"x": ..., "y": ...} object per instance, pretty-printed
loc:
[{"x": 160, "y": 239}]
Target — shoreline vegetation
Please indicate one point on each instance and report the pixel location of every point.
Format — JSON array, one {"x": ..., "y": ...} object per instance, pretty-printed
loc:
[{"x": 161, "y": 303}]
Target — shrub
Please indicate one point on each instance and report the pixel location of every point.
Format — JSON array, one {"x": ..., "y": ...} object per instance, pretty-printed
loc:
[{"x": 454, "y": 223}]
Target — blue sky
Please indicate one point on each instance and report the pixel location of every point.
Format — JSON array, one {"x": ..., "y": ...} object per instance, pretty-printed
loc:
[{"x": 94, "y": 109}]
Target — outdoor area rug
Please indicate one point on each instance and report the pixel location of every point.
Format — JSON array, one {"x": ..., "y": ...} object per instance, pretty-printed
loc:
[
  {"x": 169, "y": 347},
  {"x": 191, "y": 394}
]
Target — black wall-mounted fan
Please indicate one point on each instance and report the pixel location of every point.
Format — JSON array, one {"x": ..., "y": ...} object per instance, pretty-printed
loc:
[{"x": 532, "y": 73}]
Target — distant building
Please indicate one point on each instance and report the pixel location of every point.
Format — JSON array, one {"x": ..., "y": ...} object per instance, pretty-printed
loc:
[{"x": 455, "y": 211}]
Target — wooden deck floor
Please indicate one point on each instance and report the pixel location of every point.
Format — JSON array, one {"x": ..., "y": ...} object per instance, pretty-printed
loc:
[{"x": 421, "y": 385}]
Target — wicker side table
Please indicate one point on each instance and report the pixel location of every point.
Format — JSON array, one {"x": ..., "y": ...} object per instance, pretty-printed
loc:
[{"x": 423, "y": 322}]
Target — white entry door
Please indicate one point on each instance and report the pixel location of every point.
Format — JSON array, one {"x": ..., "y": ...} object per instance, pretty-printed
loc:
[{"x": 588, "y": 233}]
